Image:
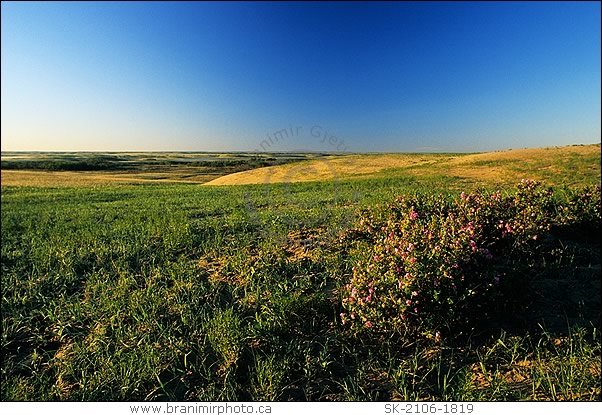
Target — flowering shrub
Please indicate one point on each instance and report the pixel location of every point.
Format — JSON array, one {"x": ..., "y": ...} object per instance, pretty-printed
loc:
[
  {"x": 431, "y": 261},
  {"x": 582, "y": 207}
]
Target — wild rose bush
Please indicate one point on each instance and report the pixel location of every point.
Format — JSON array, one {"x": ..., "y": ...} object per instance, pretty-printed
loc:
[
  {"x": 582, "y": 207},
  {"x": 431, "y": 265}
]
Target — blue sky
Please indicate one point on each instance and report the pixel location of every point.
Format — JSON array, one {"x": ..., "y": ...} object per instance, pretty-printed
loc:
[{"x": 212, "y": 76}]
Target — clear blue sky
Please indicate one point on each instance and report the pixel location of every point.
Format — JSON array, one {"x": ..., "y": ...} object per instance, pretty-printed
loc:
[{"x": 118, "y": 76}]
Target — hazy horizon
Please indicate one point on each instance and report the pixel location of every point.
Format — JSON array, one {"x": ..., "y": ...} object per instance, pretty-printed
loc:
[{"x": 299, "y": 77}]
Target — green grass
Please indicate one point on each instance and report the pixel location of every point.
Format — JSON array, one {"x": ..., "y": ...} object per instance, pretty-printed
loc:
[{"x": 183, "y": 292}]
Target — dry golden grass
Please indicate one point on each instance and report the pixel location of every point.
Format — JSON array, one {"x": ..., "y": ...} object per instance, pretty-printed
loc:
[
  {"x": 500, "y": 166},
  {"x": 494, "y": 167},
  {"x": 41, "y": 178},
  {"x": 328, "y": 168}
]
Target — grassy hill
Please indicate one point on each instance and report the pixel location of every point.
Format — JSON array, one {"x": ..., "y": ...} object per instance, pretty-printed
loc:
[{"x": 568, "y": 164}]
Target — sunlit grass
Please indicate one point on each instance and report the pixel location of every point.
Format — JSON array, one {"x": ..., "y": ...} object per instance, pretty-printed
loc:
[{"x": 181, "y": 292}]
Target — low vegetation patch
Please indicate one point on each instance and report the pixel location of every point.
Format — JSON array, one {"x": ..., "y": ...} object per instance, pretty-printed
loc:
[{"x": 434, "y": 266}]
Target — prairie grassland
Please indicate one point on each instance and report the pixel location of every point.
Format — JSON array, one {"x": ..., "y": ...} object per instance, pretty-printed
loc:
[
  {"x": 175, "y": 291},
  {"x": 486, "y": 168},
  {"x": 41, "y": 178},
  {"x": 101, "y": 169}
]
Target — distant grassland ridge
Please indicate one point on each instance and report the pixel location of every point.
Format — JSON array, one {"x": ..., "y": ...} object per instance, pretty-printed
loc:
[
  {"x": 568, "y": 165},
  {"x": 505, "y": 166}
]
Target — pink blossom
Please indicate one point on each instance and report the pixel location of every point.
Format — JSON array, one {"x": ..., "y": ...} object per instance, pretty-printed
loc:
[
  {"x": 408, "y": 302},
  {"x": 369, "y": 299},
  {"x": 352, "y": 315},
  {"x": 410, "y": 246},
  {"x": 412, "y": 260},
  {"x": 414, "y": 293},
  {"x": 413, "y": 215},
  {"x": 368, "y": 324}
]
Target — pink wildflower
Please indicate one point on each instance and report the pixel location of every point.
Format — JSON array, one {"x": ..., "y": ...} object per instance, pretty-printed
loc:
[{"x": 368, "y": 324}]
